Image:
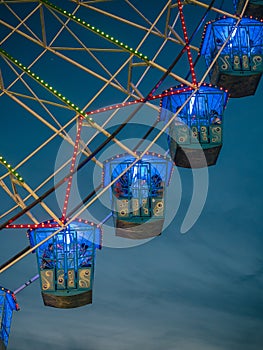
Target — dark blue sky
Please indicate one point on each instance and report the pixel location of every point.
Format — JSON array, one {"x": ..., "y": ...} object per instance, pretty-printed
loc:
[{"x": 196, "y": 291}]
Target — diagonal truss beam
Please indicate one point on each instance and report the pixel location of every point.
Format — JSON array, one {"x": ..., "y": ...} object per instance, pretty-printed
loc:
[
  {"x": 64, "y": 99},
  {"x": 113, "y": 40}
]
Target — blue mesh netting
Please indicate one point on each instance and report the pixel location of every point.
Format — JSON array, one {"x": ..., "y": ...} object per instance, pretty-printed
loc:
[
  {"x": 201, "y": 108},
  {"x": 7, "y": 305},
  {"x": 72, "y": 248},
  {"x": 146, "y": 174},
  {"x": 247, "y": 38}
]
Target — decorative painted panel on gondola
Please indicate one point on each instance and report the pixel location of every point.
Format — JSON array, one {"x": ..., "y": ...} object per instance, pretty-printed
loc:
[
  {"x": 8, "y": 304},
  {"x": 138, "y": 193},
  {"x": 254, "y": 8},
  {"x": 66, "y": 262},
  {"x": 195, "y": 136},
  {"x": 239, "y": 66}
]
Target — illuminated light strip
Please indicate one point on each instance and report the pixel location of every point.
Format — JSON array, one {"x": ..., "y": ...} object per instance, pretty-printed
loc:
[
  {"x": 137, "y": 152},
  {"x": 169, "y": 92},
  {"x": 47, "y": 86},
  {"x": 48, "y": 224},
  {"x": 186, "y": 39},
  {"x": 32, "y": 226},
  {"x": 11, "y": 169},
  {"x": 62, "y": 98},
  {"x": 126, "y": 104},
  {"x": 96, "y": 30},
  {"x": 72, "y": 167}
]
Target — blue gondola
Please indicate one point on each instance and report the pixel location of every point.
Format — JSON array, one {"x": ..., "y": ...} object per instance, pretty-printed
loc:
[
  {"x": 254, "y": 7},
  {"x": 8, "y": 304},
  {"x": 195, "y": 136},
  {"x": 240, "y": 65},
  {"x": 66, "y": 262},
  {"x": 138, "y": 196}
]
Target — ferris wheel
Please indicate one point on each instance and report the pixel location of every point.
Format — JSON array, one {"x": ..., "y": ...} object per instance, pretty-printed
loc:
[{"x": 119, "y": 89}]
